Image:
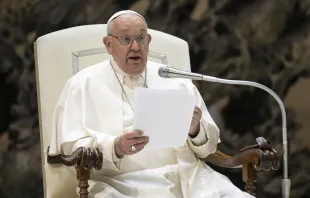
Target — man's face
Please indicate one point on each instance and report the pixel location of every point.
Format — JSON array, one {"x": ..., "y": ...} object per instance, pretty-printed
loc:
[{"x": 131, "y": 58}]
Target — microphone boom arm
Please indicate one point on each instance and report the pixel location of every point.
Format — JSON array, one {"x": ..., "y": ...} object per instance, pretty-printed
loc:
[
  {"x": 286, "y": 183},
  {"x": 168, "y": 72}
]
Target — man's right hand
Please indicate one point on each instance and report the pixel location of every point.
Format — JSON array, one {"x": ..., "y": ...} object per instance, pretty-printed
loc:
[{"x": 123, "y": 144}]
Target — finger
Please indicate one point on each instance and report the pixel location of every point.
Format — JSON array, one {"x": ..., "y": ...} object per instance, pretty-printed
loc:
[
  {"x": 134, "y": 152},
  {"x": 138, "y": 150},
  {"x": 139, "y": 147},
  {"x": 129, "y": 151},
  {"x": 197, "y": 115},
  {"x": 140, "y": 139},
  {"x": 137, "y": 140},
  {"x": 194, "y": 126},
  {"x": 125, "y": 144},
  {"x": 195, "y": 122},
  {"x": 133, "y": 134},
  {"x": 197, "y": 110},
  {"x": 196, "y": 119}
]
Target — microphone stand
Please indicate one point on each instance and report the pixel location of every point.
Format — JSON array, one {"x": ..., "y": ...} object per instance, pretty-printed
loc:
[
  {"x": 285, "y": 183},
  {"x": 169, "y": 72}
]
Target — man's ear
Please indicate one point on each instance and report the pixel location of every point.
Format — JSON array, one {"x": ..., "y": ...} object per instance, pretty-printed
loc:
[
  {"x": 150, "y": 38},
  {"x": 107, "y": 43}
]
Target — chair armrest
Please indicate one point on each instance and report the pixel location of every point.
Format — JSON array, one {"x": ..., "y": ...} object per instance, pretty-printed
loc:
[
  {"x": 261, "y": 155},
  {"x": 83, "y": 159},
  {"x": 252, "y": 158}
]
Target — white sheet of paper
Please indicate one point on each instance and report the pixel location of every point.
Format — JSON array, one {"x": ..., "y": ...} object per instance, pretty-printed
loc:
[{"x": 163, "y": 115}]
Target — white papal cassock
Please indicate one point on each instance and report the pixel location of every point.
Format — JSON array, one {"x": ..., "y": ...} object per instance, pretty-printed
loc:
[{"x": 92, "y": 111}]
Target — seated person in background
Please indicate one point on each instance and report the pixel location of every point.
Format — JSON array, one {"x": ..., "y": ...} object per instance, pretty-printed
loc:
[{"x": 95, "y": 109}]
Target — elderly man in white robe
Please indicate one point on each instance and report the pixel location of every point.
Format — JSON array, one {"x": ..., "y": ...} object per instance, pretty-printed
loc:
[{"x": 96, "y": 108}]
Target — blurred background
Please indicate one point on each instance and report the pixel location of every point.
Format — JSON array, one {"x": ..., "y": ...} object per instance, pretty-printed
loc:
[{"x": 265, "y": 41}]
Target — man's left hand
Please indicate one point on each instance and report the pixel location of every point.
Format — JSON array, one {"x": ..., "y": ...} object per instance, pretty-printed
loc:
[{"x": 195, "y": 125}]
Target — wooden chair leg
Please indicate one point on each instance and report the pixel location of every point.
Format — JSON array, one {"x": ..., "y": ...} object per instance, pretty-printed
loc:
[
  {"x": 249, "y": 177},
  {"x": 84, "y": 159},
  {"x": 83, "y": 176}
]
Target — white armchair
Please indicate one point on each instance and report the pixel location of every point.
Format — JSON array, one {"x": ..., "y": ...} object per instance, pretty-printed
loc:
[{"x": 61, "y": 54}]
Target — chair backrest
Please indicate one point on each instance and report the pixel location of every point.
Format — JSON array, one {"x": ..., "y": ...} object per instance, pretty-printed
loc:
[{"x": 61, "y": 54}]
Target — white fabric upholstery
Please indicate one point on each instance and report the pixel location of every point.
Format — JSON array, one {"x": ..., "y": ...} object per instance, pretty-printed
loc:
[{"x": 55, "y": 55}]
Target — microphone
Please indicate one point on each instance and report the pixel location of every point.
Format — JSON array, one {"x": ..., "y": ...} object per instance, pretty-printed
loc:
[{"x": 169, "y": 72}]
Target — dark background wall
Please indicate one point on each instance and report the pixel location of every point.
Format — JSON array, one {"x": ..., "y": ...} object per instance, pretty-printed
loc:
[{"x": 266, "y": 41}]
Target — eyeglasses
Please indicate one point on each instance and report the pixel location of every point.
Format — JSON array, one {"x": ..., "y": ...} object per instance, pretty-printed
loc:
[{"x": 127, "y": 40}]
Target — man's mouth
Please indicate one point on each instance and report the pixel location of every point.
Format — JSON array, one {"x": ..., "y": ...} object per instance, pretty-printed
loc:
[{"x": 134, "y": 57}]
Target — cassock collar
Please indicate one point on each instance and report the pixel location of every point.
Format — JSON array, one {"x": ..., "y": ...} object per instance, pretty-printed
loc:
[{"x": 121, "y": 75}]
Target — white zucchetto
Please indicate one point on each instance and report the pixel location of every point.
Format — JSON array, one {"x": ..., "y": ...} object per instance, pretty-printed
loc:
[{"x": 123, "y": 12}]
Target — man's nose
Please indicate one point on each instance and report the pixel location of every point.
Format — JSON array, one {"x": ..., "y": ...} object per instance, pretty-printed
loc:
[{"x": 134, "y": 45}]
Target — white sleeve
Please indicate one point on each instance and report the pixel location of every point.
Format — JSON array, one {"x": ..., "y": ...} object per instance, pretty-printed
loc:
[
  {"x": 206, "y": 141},
  {"x": 70, "y": 131}
]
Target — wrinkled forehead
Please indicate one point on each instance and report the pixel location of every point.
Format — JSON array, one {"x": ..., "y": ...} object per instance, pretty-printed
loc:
[{"x": 130, "y": 24}]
